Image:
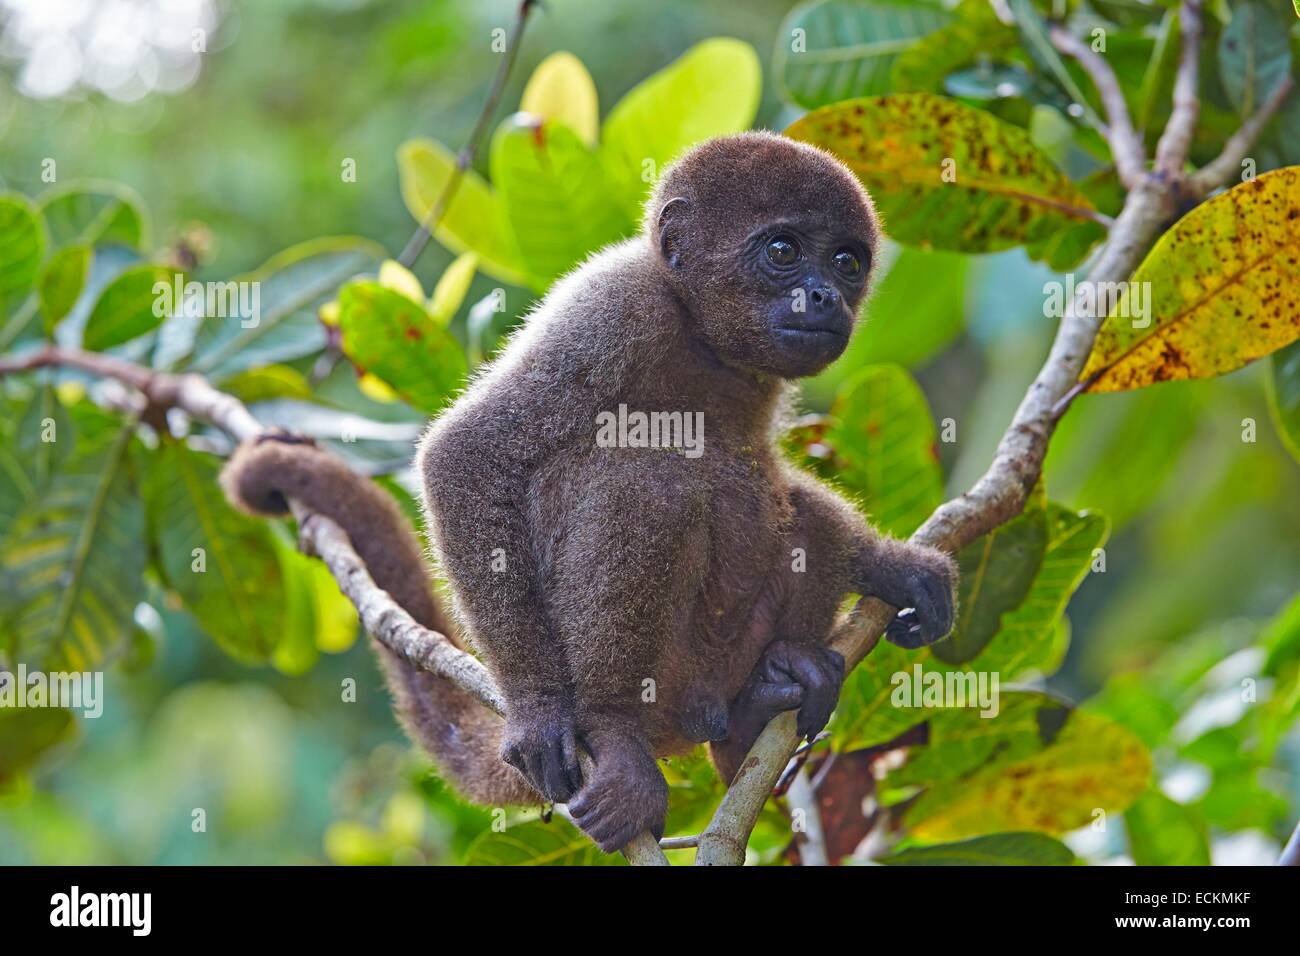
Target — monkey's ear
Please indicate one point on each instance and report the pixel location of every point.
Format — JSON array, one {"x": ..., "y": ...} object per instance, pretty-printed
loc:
[{"x": 669, "y": 235}]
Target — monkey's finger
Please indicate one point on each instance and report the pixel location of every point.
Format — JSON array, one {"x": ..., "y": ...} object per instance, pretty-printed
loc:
[{"x": 773, "y": 699}]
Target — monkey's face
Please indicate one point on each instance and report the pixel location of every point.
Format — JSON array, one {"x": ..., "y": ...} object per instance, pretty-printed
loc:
[
  {"x": 806, "y": 282},
  {"x": 770, "y": 243}
]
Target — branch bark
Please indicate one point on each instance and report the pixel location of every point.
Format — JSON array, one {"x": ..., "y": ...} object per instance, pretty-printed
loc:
[
  {"x": 1176, "y": 141},
  {"x": 1218, "y": 171},
  {"x": 1125, "y": 143}
]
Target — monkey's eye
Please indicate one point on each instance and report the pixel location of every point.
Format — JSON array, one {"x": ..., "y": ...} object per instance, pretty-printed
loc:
[
  {"x": 847, "y": 263},
  {"x": 782, "y": 252}
]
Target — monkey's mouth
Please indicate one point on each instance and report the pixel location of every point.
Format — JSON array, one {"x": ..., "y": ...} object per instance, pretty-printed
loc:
[{"x": 807, "y": 349}]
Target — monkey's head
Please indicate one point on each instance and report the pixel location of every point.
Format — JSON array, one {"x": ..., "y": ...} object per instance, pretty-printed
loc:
[{"x": 770, "y": 244}]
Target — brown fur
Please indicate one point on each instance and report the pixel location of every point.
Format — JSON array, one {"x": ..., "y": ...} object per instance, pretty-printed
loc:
[{"x": 649, "y": 601}]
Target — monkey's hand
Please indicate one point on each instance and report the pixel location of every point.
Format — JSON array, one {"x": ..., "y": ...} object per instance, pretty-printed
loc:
[
  {"x": 626, "y": 794},
  {"x": 540, "y": 741},
  {"x": 790, "y": 675},
  {"x": 922, "y": 582}
]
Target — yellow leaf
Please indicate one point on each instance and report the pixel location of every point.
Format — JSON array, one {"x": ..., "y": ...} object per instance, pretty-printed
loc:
[
  {"x": 329, "y": 313},
  {"x": 561, "y": 89},
  {"x": 1219, "y": 290},
  {"x": 393, "y": 275},
  {"x": 452, "y": 286},
  {"x": 377, "y": 389}
]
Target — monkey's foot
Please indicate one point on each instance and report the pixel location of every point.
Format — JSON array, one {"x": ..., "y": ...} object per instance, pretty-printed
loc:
[
  {"x": 541, "y": 743},
  {"x": 790, "y": 675},
  {"x": 625, "y": 796}
]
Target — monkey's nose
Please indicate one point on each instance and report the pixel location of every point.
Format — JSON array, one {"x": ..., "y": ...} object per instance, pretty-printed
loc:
[{"x": 825, "y": 298}]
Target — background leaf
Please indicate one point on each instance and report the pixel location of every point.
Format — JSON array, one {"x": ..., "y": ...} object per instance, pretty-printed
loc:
[
  {"x": 473, "y": 221},
  {"x": 835, "y": 50},
  {"x": 389, "y": 336},
  {"x": 1284, "y": 394},
  {"x": 126, "y": 308},
  {"x": 538, "y": 844},
  {"x": 1164, "y": 833},
  {"x": 562, "y": 90},
  {"x": 997, "y": 849},
  {"x": 883, "y": 439},
  {"x": 22, "y": 246},
  {"x": 1224, "y": 290},
  {"x": 1092, "y": 764},
  {"x": 95, "y": 212},
  {"x": 555, "y": 196},
  {"x": 77, "y": 558},
  {"x": 62, "y": 278},
  {"x": 239, "y": 596},
  {"x": 710, "y": 90},
  {"x": 1254, "y": 54},
  {"x": 1006, "y": 191}
]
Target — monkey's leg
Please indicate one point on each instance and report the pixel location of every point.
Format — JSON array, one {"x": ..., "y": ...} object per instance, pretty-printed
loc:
[
  {"x": 475, "y": 494},
  {"x": 627, "y": 570}
]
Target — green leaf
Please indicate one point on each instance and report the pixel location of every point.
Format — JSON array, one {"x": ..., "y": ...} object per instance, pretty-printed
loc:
[
  {"x": 835, "y": 50},
  {"x": 22, "y": 246},
  {"x": 474, "y": 220},
  {"x": 129, "y": 307},
  {"x": 393, "y": 338},
  {"x": 77, "y": 557},
  {"x": 61, "y": 282},
  {"x": 866, "y": 714},
  {"x": 453, "y": 285},
  {"x": 95, "y": 212},
  {"x": 25, "y": 734},
  {"x": 562, "y": 90},
  {"x": 1284, "y": 396},
  {"x": 16, "y": 488},
  {"x": 291, "y": 286},
  {"x": 997, "y": 570},
  {"x": 44, "y": 436},
  {"x": 1221, "y": 289},
  {"x": 1254, "y": 54},
  {"x": 962, "y": 740},
  {"x": 266, "y": 383},
  {"x": 975, "y": 35},
  {"x": 1164, "y": 833},
  {"x": 1041, "y": 50},
  {"x": 1092, "y": 764},
  {"x": 221, "y": 563},
  {"x": 884, "y": 442},
  {"x": 537, "y": 844},
  {"x": 996, "y": 849},
  {"x": 555, "y": 196},
  {"x": 947, "y": 176},
  {"x": 1029, "y": 639},
  {"x": 710, "y": 90}
]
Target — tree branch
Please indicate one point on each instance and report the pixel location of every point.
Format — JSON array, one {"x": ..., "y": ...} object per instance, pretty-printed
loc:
[
  {"x": 998, "y": 496},
  {"x": 1176, "y": 140},
  {"x": 1125, "y": 143},
  {"x": 1218, "y": 171},
  {"x": 465, "y": 158},
  {"x": 381, "y": 616}
]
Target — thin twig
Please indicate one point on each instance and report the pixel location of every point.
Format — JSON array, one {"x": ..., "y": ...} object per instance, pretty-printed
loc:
[
  {"x": 1125, "y": 143},
  {"x": 1218, "y": 171},
  {"x": 679, "y": 843},
  {"x": 1176, "y": 141},
  {"x": 465, "y": 158}
]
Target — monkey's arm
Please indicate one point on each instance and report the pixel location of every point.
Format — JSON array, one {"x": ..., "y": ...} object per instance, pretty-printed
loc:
[{"x": 475, "y": 495}]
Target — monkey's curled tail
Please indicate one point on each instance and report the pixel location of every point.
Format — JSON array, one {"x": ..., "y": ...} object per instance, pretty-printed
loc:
[{"x": 461, "y": 734}]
